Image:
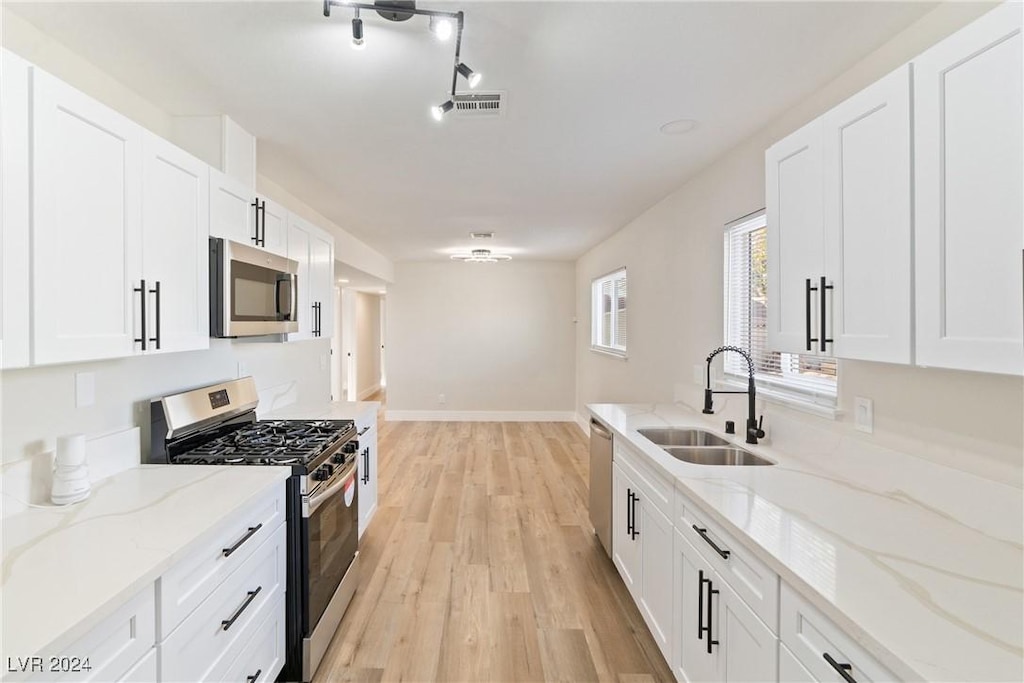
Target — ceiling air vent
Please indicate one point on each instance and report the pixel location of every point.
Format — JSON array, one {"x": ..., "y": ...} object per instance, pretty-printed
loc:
[{"x": 480, "y": 105}]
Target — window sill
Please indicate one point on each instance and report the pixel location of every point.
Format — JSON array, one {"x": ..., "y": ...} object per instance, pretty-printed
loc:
[
  {"x": 620, "y": 355},
  {"x": 784, "y": 398}
]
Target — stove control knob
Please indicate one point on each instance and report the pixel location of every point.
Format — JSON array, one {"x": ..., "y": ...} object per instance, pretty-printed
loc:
[
  {"x": 318, "y": 474},
  {"x": 338, "y": 458},
  {"x": 329, "y": 469},
  {"x": 350, "y": 447}
]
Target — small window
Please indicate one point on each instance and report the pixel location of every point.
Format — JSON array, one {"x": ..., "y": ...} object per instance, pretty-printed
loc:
[
  {"x": 608, "y": 313},
  {"x": 794, "y": 378}
]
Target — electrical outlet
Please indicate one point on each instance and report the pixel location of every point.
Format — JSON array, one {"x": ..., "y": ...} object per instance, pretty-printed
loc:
[
  {"x": 864, "y": 415},
  {"x": 243, "y": 369},
  {"x": 440, "y": 399},
  {"x": 85, "y": 389},
  {"x": 323, "y": 361}
]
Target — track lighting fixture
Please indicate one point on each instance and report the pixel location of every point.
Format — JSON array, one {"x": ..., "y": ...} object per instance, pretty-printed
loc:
[
  {"x": 442, "y": 25},
  {"x": 440, "y": 110},
  {"x": 357, "y": 32},
  {"x": 471, "y": 76}
]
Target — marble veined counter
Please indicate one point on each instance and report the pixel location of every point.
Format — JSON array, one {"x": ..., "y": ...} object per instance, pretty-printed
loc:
[
  {"x": 920, "y": 564},
  {"x": 67, "y": 568}
]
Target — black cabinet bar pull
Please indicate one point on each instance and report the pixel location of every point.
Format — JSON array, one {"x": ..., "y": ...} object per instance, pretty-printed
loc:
[
  {"x": 821, "y": 293},
  {"x": 255, "y": 677},
  {"x": 807, "y": 312},
  {"x": 156, "y": 291},
  {"x": 842, "y": 667},
  {"x": 263, "y": 213},
  {"x": 248, "y": 534},
  {"x": 711, "y": 611},
  {"x": 700, "y": 604},
  {"x": 366, "y": 465},
  {"x": 704, "y": 534},
  {"x": 226, "y": 624},
  {"x": 636, "y": 528},
  {"x": 256, "y": 213},
  {"x": 141, "y": 289},
  {"x": 319, "y": 319}
]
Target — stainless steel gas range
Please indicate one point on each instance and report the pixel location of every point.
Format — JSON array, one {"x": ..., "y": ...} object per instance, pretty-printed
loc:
[{"x": 217, "y": 425}]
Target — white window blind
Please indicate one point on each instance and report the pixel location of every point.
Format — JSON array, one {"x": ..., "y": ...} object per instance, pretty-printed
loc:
[
  {"x": 608, "y": 301},
  {"x": 804, "y": 377}
]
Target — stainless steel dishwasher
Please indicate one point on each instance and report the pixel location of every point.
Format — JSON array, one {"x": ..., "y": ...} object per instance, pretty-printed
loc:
[{"x": 601, "y": 483}]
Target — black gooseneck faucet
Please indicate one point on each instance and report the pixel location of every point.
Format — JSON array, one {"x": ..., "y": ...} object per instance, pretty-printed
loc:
[{"x": 754, "y": 431}]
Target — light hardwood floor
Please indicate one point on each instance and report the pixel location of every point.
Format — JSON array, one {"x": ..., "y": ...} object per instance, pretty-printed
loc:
[{"x": 481, "y": 565}]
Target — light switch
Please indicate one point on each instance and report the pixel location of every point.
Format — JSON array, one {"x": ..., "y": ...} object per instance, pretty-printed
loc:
[
  {"x": 864, "y": 415},
  {"x": 85, "y": 389}
]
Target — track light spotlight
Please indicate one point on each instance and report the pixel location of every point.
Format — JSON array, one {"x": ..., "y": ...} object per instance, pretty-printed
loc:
[
  {"x": 357, "y": 32},
  {"x": 471, "y": 76},
  {"x": 441, "y": 27},
  {"x": 440, "y": 110}
]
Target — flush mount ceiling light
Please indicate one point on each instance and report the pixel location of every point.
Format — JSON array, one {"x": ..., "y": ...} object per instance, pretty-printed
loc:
[
  {"x": 442, "y": 24},
  {"x": 679, "y": 127},
  {"x": 481, "y": 256},
  {"x": 481, "y": 235}
]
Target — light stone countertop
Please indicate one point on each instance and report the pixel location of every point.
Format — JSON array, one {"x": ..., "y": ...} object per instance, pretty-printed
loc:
[
  {"x": 333, "y": 410},
  {"x": 67, "y": 568},
  {"x": 920, "y": 564}
]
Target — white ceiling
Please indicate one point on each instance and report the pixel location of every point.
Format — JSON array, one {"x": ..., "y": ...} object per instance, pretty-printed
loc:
[{"x": 578, "y": 153}]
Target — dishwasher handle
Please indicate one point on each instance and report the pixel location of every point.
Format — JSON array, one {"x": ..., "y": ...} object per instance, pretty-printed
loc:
[{"x": 601, "y": 430}]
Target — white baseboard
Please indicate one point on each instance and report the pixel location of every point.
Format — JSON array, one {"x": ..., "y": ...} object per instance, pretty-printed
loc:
[
  {"x": 479, "y": 416},
  {"x": 366, "y": 393},
  {"x": 583, "y": 422}
]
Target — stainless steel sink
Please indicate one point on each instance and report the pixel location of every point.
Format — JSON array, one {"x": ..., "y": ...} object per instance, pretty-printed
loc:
[
  {"x": 716, "y": 456},
  {"x": 668, "y": 436}
]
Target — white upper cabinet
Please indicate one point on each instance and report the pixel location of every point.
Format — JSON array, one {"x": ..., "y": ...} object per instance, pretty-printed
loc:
[
  {"x": 233, "y": 209},
  {"x": 839, "y": 229},
  {"x": 175, "y": 256},
  {"x": 796, "y": 248},
  {"x": 968, "y": 196},
  {"x": 86, "y": 246},
  {"x": 273, "y": 226},
  {"x": 867, "y": 207},
  {"x": 314, "y": 250},
  {"x": 298, "y": 250},
  {"x": 14, "y": 204}
]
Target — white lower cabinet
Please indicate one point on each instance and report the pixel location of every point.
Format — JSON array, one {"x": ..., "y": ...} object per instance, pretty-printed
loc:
[
  {"x": 790, "y": 668},
  {"x": 822, "y": 651},
  {"x": 263, "y": 655},
  {"x": 367, "y": 464},
  {"x": 642, "y": 552},
  {"x": 220, "y": 627},
  {"x": 717, "y": 637}
]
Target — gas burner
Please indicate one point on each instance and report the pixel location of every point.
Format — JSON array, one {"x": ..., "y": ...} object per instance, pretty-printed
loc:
[{"x": 275, "y": 442}]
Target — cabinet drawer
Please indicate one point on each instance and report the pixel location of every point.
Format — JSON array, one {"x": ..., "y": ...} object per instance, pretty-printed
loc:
[
  {"x": 753, "y": 581},
  {"x": 109, "y": 650},
  {"x": 262, "y": 657},
  {"x": 810, "y": 635},
  {"x": 192, "y": 579},
  {"x": 655, "y": 487},
  {"x": 228, "y": 616},
  {"x": 144, "y": 671}
]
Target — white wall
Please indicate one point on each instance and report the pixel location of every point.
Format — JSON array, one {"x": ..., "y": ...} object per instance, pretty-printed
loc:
[
  {"x": 367, "y": 334},
  {"x": 674, "y": 255},
  {"x": 490, "y": 337}
]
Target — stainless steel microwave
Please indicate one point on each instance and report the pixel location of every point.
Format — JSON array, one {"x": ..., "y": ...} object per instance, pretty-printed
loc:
[{"x": 252, "y": 292}]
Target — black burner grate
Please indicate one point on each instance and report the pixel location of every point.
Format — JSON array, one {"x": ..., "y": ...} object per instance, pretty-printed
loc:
[{"x": 277, "y": 442}]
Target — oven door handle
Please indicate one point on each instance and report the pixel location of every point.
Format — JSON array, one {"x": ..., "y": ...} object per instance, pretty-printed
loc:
[{"x": 319, "y": 498}]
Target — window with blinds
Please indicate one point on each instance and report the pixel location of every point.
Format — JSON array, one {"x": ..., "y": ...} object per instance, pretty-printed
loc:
[
  {"x": 803, "y": 377},
  {"x": 608, "y": 301}
]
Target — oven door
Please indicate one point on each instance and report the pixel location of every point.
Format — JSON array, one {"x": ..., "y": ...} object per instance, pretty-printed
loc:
[
  {"x": 332, "y": 525},
  {"x": 253, "y": 292}
]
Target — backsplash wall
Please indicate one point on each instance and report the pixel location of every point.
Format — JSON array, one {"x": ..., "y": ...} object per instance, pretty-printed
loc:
[{"x": 39, "y": 403}]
